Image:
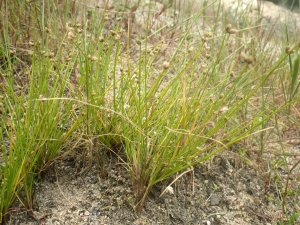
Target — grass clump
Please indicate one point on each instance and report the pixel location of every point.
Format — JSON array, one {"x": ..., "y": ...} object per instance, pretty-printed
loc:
[
  {"x": 33, "y": 131},
  {"x": 162, "y": 106}
]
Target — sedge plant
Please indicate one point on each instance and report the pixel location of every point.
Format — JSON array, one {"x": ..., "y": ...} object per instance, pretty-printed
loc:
[
  {"x": 33, "y": 131},
  {"x": 173, "y": 113}
]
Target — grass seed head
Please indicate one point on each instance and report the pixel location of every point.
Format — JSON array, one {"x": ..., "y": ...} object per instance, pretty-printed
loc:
[
  {"x": 206, "y": 47},
  {"x": 92, "y": 58},
  {"x": 49, "y": 54},
  {"x": 117, "y": 37},
  {"x": 47, "y": 30},
  {"x": 230, "y": 30},
  {"x": 223, "y": 109},
  {"x": 208, "y": 34},
  {"x": 233, "y": 31},
  {"x": 67, "y": 59},
  {"x": 228, "y": 27},
  {"x": 101, "y": 39},
  {"x": 106, "y": 18},
  {"x": 113, "y": 33},
  {"x": 288, "y": 50},
  {"x": 166, "y": 65},
  {"x": 71, "y": 35},
  {"x": 247, "y": 58},
  {"x": 12, "y": 52}
]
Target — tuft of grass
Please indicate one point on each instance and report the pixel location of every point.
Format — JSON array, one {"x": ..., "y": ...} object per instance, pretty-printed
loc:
[
  {"x": 33, "y": 131},
  {"x": 166, "y": 124}
]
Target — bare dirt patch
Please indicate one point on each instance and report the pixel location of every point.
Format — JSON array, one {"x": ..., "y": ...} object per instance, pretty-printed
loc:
[{"x": 229, "y": 189}]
